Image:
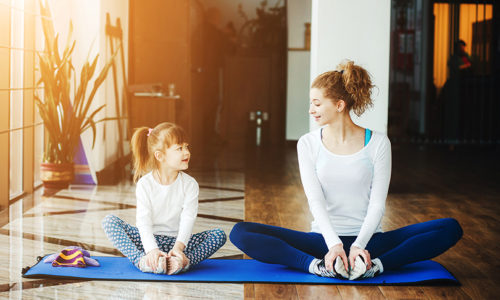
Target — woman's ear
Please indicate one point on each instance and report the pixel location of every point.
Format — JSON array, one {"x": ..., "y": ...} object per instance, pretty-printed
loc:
[{"x": 340, "y": 105}]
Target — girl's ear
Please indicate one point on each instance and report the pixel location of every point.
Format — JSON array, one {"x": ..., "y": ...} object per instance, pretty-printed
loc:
[{"x": 158, "y": 155}]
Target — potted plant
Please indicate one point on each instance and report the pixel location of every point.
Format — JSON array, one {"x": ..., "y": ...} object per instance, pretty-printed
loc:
[
  {"x": 267, "y": 30},
  {"x": 66, "y": 106}
]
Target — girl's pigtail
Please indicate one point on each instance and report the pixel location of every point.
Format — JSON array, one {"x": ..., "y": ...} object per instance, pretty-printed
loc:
[{"x": 140, "y": 152}]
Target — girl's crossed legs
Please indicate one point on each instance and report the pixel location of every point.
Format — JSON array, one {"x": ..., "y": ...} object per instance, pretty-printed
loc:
[
  {"x": 394, "y": 248},
  {"x": 127, "y": 240}
]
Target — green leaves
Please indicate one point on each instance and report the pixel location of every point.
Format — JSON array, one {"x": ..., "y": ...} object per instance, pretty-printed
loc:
[{"x": 64, "y": 119}]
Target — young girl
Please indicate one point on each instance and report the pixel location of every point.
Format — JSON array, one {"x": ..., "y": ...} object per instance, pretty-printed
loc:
[
  {"x": 345, "y": 172},
  {"x": 167, "y": 204}
]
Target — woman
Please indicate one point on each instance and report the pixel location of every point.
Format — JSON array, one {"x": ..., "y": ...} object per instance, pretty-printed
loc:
[{"x": 345, "y": 171}]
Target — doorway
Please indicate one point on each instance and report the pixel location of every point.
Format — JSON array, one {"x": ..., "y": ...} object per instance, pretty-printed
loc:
[
  {"x": 463, "y": 72},
  {"x": 226, "y": 62},
  {"x": 244, "y": 74},
  {"x": 443, "y": 68}
]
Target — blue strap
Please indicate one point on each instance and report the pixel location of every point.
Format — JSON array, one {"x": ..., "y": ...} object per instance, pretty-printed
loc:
[{"x": 368, "y": 135}]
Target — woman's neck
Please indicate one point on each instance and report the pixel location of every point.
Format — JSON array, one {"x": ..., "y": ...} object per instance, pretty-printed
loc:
[
  {"x": 341, "y": 130},
  {"x": 166, "y": 175}
]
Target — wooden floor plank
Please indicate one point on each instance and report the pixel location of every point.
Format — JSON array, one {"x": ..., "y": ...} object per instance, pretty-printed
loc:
[
  {"x": 275, "y": 291},
  {"x": 249, "y": 291},
  {"x": 360, "y": 292},
  {"x": 403, "y": 292},
  {"x": 481, "y": 288},
  {"x": 445, "y": 292},
  {"x": 313, "y": 292}
]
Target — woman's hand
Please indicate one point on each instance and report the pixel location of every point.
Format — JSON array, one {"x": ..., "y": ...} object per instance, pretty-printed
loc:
[
  {"x": 178, "y": 251},
  {"x": 331, "y": 256},
  {"x": 355, "y": 252},
  {"x": 152, "y": 258}
]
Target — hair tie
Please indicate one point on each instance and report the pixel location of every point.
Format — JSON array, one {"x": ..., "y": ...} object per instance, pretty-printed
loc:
[{"x": 149, "y": 131}]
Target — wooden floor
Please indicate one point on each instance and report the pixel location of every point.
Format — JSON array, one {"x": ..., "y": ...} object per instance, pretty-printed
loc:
[
  {"x": 427, "y": 183},
  {"x": 265, "y": 187}
]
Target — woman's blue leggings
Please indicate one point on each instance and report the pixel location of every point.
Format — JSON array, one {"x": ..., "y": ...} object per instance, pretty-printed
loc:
[{"x": 394, "y": 248}]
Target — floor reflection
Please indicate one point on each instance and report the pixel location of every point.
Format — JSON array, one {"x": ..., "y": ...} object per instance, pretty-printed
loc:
[{"x": 41, "y": 225}]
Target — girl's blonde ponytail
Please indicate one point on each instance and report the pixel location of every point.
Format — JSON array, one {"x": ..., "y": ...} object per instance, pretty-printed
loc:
[{"x": 140, "y": 152}]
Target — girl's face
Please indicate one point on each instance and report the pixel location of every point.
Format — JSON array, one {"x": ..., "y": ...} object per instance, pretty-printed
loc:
[
  {"x": 322, "y": 109},
  {"x": 175, "y": 157}
]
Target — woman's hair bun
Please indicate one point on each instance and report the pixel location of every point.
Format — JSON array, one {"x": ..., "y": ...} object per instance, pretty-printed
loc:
[{"x": 357, "y": 84}]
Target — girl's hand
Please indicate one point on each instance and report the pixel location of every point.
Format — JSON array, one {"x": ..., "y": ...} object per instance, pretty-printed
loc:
[
  {"x": 178, "y": 251},
  {"x": 331, "y": 256},
  {"x": 152, "y": 258},
  {"x": 355, "y": 252}
]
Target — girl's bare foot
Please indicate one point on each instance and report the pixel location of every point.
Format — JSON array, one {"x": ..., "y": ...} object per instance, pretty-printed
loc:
[
  {"x": 174, "y": 265},
  {"x": 162, "y": 265},
  {"x": 161, "y": 269}
]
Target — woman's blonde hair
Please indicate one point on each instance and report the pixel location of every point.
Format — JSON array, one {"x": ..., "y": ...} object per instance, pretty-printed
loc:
[
  {"x": 350, "y": 83},
  {"x": 145, "y": 141}
]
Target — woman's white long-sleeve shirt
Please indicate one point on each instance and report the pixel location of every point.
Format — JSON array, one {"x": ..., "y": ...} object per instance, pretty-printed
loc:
[
  {"x": 346, "y": 193},
  {"x": 166, "y": 209}
]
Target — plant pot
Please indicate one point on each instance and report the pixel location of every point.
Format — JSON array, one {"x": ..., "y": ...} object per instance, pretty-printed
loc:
[{"x": 56, "y": 176}]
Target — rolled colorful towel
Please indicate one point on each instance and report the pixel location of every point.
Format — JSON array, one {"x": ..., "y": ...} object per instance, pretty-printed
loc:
[{"x": 72, "y": 256}]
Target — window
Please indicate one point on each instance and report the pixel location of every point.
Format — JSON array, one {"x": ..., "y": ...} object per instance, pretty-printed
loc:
[
  {"x": 21, "y": 129},
  {"x": 16, "y": 97}
]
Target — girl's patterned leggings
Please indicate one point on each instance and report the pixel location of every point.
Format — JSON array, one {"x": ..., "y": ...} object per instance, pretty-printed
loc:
[{"x": 127, "y": 240}]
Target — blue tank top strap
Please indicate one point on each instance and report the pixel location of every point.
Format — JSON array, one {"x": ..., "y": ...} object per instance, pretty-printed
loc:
[{"x": 368, "y": 135}]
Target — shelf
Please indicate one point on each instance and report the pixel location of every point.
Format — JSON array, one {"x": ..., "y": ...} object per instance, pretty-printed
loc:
[{"x": 156, "y": 95}]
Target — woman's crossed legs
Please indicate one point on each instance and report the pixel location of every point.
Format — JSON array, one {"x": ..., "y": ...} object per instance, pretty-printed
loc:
[{"x": 296, "y": 249}]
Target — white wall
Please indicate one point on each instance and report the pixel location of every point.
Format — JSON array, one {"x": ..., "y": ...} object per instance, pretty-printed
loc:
[
  {"x": 297, "y": 98},
  {"x": 89, "y": 20},
  {"x": 358, "y": 30},
  {"x": 110, "y": 136},
  {"x": 298, "y": 13},
  {"x": 297, "y": 121}
]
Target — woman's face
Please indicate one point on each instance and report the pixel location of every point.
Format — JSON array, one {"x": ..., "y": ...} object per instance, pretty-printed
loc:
[{"x": 322, "y": 109}]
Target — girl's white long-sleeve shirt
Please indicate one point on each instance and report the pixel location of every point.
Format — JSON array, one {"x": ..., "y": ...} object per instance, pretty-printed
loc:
[
  {"x": 166, "y": 209},
  {"x": 346, "y": 193}
]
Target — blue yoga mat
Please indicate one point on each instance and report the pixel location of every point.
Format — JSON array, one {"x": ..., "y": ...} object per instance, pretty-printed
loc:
[{"x": 241, "y": 271}]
